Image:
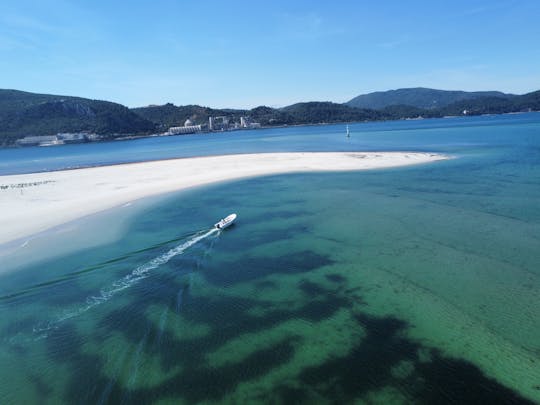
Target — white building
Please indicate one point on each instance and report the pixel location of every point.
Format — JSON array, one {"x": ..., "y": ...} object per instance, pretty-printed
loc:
[
  {"x": 186, "y": 129},
  {"x": 72, "y": 137},
  {"x": 43, "y": 140}
]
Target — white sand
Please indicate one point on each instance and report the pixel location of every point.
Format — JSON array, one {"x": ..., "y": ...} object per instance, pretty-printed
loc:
[{"x": 32, "y": 203}]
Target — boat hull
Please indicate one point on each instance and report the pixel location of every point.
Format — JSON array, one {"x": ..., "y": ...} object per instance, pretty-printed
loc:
[{"x": 225, "y": 222}]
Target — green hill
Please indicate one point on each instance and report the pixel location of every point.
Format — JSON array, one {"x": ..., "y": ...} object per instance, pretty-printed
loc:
[
  {"x": 316, "y": 112},
  {"x": 24, "y": 114},
  {"x": 418, "y": 97},
  {"x": 326, "y": 112},
  {"x": 169, "y": 115},
  {"x": 494, "y": 105}
]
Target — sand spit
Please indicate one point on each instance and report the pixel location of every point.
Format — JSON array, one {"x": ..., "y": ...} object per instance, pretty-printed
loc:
[{"x": 31, "y": 203}]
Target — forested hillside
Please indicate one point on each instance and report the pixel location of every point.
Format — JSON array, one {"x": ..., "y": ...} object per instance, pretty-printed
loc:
[
  {"x": 419, "y": 97},
  {"x": 26, "y": 114}
]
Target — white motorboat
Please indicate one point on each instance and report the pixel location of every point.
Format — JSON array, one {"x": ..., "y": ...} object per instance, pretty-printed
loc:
[{"x": 225, "y": 222}]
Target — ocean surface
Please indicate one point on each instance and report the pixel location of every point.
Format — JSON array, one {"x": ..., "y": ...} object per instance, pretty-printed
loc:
[{"x": 411, "y": 285}]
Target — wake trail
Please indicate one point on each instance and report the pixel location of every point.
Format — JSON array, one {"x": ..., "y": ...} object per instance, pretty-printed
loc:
[{"x": 125, "y": 282}]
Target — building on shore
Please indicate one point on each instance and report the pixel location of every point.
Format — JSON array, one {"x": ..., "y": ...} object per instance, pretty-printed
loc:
[
  {"x": 188, "y": 128},
  {"x": 245, "y": 122},
  {"x": 42, "y": 140},
  {"x": 60, "y": 138},
  {"x": 73, "y": 137},
  {"x": 221, "y": 123}
]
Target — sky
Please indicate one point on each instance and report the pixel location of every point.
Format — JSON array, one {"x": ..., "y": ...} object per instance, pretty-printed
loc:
[{"x": 242, "y": 54}]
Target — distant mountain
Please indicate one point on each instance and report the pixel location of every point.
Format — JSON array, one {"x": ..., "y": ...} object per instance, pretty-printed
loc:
[
  {"x": 314, "y": 112},
  {"x": 326, "y": 112},
  {"x": 418, "y": 97},
  {"x": 494, "y": 105},
  {"x": 23, "y": 114}
]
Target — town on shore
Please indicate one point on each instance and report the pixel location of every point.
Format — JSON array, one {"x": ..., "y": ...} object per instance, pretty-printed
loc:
[
  {"x": 30, "y": 119},
  {"x": 215, "y": 124}
]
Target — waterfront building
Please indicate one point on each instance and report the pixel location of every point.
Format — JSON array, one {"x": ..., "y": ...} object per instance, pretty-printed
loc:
[
  {"x": 69, "y": 137},
  {"x": 189, "y": 129},
  {"x": 42, "y": 140}
]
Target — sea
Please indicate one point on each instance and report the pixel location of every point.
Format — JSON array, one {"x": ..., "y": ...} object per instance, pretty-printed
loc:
[{"x": 417, "y": 284}]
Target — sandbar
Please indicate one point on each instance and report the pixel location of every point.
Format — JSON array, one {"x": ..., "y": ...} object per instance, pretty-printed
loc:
[{"x": 35, "y": 202}]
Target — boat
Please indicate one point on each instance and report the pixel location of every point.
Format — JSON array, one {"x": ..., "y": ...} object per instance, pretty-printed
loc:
[{"x": 225, "y": 222}]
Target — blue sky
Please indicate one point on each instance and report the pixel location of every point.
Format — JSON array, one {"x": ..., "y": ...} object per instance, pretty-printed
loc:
[{"x": 242, "y": 54}]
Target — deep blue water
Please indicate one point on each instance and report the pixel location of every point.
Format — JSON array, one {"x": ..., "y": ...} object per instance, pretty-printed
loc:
[
  {"x": 438, "y": 135},
  {"x": 410, "y": 285}
]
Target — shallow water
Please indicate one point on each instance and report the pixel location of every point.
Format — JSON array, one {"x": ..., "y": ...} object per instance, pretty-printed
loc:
[{"x": 416, "y": 284}]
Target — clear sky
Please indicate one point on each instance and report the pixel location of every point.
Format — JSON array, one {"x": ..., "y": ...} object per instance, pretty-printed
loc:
[{"x": 242, "y": 54}]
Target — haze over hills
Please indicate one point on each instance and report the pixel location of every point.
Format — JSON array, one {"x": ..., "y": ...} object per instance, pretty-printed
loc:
[
  {"x": 27, "y": 114},
  {"x": 419, "y": 97}
]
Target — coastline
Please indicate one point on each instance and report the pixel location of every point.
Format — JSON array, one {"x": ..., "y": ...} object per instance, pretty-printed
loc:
[{"x": 37, "y": 202}]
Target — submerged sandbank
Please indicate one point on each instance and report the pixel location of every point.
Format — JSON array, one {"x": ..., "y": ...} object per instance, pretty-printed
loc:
[{"x": 31, "y": 203}]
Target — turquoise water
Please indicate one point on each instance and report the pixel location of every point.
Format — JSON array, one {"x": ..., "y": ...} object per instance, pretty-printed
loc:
[{"x": 416, "y": 284}]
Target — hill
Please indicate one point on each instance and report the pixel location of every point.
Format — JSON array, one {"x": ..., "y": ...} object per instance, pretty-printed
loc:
[
  {"x": 314, "y": 112},
  {"x": 419, "y": 97},
  {"x": 23, "y": 114},
  {"x": 169, "y": 115},
  {"x": 494, "y": 105},
  {"x": 326, "y": 112}
]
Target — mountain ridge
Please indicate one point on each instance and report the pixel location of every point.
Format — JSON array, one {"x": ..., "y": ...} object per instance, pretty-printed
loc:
[
  {"x": 26, "y": 114},
  {"x": 419, "y": 97}
]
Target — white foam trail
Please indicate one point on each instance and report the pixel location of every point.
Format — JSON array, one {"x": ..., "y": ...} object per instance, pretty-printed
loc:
[{"x": 127, "y": 281}]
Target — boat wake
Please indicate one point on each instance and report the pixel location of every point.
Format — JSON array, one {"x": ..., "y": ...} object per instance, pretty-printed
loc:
[{"x": 125, "y": 282}]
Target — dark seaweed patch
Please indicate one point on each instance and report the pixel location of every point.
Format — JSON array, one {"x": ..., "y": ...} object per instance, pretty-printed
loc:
[
  {"x": 266, "y": 284},
  {"x": 462, "y": 382},
  {"x": 311, "y": 289},
  {"x": 204, "y": 383},
  {"x": 368, "y": 367},
  {"x": 249, "y": 240},
  {"x": 336, "y": 278},
  {"x": 251, "y": 268}
]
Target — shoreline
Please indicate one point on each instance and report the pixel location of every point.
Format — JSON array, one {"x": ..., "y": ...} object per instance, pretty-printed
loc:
[{"x": 36, "y": 202}]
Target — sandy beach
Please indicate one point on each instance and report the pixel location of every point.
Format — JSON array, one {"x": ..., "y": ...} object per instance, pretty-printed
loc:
[{"x": 31, "y": 203}]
